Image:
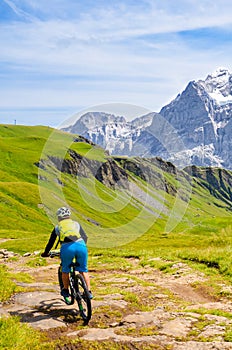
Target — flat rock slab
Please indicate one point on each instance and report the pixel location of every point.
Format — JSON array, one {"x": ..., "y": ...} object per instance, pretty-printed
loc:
[
  {"x": 141, "y": 319},
  {"x": 45, "y": 310},
  {"x": 192, "y": 345},
  {"x": 98, "y": 334},
  {"x": 214, "y": 305},
  {"x": 117, "y": 303},
  {"x": 47, "y": 323},
  {"x": 179, "y": 327},
  {"x": 42, "y": 310},
  {"x": 40, "y": 286},
  {"x": 39, "y": 299}
]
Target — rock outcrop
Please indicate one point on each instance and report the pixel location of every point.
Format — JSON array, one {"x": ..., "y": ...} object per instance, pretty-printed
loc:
[
  {"x": 109, "y": 172},
  {"x": 118, "y": 172}
]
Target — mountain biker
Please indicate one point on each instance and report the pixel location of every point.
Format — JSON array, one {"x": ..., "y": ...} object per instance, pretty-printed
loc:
[{"x": 73, "y": 240}]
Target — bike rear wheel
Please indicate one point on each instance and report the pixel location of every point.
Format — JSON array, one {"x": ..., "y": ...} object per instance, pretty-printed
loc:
[{"x": 82, "y": 298}]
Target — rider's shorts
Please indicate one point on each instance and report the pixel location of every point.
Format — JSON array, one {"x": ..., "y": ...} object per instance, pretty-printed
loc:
[{"x": 72, "y": 250}]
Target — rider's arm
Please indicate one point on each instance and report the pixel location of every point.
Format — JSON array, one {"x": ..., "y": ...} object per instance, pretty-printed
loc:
[
  {"x": 51, "y": 242},
  {"x": 83, "y": 234}
]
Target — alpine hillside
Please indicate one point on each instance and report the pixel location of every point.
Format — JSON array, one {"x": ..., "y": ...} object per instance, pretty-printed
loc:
[
  {"x": 193, "y": 129},
  {"x": 44, "y": 168}
]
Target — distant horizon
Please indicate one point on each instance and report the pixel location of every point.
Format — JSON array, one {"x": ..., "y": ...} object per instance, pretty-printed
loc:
[
  {"x": 50, "y": 116},
  {"x": 64, "y": 116}
]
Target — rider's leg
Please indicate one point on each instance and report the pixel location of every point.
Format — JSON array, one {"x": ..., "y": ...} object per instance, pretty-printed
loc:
[
  {"x": 66, "y": 254},
  {"x": 65, "y": 280},
  {"x": 82, "y": 259},
  {"x": 87, "y": 279}
]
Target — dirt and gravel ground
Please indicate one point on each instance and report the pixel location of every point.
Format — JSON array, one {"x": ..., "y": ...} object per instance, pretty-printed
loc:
[{"x": 135, "y": 308}]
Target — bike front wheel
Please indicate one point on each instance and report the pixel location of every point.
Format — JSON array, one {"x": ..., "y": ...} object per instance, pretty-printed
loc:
[{"x": 82, "y": 298}]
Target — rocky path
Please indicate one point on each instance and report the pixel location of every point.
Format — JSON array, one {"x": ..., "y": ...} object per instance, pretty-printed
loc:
[{"x": 140, "y": 308}]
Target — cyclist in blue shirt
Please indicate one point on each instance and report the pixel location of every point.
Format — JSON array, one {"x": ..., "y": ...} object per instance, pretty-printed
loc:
[{"x": 73, "y": 241}]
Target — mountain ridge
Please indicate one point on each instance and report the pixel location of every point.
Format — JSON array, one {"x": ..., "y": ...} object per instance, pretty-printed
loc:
[{"x": 198, "y": 121}]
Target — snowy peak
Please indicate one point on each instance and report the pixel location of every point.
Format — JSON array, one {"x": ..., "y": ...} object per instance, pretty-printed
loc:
[
  {"x": 143, "y": 121},
  {"x": 94, "y": 120},
  {"x": 219, "y": 85},
  {"x": 111, "y": 132},
  {"x": 219, "y": 74},
  {"x": 194, "y": 128}
]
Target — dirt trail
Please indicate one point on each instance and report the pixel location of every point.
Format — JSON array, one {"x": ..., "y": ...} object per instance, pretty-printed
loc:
[{"x": 135, "y": 307}]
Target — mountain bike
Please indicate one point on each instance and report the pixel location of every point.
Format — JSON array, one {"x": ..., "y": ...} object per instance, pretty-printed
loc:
[{"x": 78, "y": 289}]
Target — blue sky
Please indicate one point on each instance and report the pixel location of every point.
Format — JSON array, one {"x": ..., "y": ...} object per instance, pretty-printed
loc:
[{"x": 59, "y": 57}]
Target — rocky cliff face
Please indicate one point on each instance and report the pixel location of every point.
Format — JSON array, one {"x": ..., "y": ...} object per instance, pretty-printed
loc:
[
  {"x": 121, "y": 172},
  {"x": 195, "y": 128},
  {"x": 202, "y": 117},
  {"x": 217, "y": 181},
  {"x": 109, "y": 173}
]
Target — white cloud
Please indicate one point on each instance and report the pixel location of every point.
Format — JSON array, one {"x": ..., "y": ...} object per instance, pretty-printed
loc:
[{"x": 18, "y": 11}]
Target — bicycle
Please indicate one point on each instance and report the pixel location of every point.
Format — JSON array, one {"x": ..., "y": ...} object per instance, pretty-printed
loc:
[{"x": 78, "y": 289}]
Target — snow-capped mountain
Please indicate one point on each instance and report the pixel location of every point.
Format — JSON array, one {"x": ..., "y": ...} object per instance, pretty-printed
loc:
[
  {"x": 194, "y": 128},
  {"x": 219, "y": 86},
  {"x": 202, "y": 117},
  {"x": 111, "y": 132}
]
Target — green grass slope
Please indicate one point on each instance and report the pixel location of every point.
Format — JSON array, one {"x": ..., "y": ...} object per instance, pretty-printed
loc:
[{"x": 166, "y": 213}]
